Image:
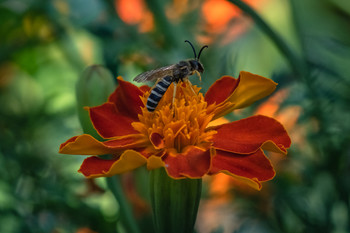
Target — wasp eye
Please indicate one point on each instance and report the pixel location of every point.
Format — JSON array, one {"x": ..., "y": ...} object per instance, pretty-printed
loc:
[
  {"x": 194, "y": 64},
  {"x": 200, "y": 68}
]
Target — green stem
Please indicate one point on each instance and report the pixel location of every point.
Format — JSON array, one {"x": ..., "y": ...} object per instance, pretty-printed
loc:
[
  {"x": 126, "y": 215},
  {"x": 295, "y": 62},
  {"x": 174, "y": 202}
]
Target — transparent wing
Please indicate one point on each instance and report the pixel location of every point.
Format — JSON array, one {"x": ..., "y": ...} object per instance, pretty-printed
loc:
[{"x": 155, "y": 74}]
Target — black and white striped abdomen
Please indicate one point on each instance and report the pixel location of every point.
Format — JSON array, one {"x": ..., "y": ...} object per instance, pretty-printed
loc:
[{"x": 157, "y": 93}]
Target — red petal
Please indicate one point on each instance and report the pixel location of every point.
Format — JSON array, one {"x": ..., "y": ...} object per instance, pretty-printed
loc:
[
  {"x": 193, "y": 163},
  {"x": 248, "y": 135},
  {"x": 221, "y": 90},
  {"x": 157, "y": 140},
  {"x": 109, "y": 122},
  {"x": 127, "y": 99},
  {"x": 87, "y": 145},
  {"x": 97, "y": 167},
  {"x": 144, "y": 88},
  {"x": 256, "y": 167}
]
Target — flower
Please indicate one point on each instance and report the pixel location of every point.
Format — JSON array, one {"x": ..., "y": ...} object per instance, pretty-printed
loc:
[{"x": 176, "y": 135}]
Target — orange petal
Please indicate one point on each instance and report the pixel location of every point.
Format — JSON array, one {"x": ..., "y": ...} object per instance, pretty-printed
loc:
[
  {"x": 221, "y": 109},
  {"x": 154, "y": 162},
  {"x": 193, "y": 163},
  {"x": 219, "y": 121},
  {"x": 97, "y": 167},
  {"x": 87, "y": 145},
  {"x": 251, "y": 169},
  {"x": 251, "y": 87},
  {"x": 126, "y": 97},
  {"x": 248, "y": 135},
  {"x": 109, "y": 122},
  {"x": 240, "y": 92}
]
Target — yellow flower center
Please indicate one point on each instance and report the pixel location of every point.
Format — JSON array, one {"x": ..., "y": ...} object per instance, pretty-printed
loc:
[{"x": 179, "y": 122}]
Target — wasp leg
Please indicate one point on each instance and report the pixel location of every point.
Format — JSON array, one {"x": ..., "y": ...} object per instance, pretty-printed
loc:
[
  {"x": 174, "y": 93},
  {"x": 190, "y": 84},
  {"x": 173, "y": 102},
  {"x": 199, "y": 75}
]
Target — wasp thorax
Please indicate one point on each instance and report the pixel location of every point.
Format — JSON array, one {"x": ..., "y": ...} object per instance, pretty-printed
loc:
[{"x": 180, "y": 122}]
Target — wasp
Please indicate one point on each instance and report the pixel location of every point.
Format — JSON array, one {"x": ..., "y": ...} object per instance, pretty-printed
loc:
[{"x": 170, "y": 74}]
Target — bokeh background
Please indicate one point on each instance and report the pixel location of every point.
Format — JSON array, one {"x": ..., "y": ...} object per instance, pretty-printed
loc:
[{"x": 46, "y": 45}]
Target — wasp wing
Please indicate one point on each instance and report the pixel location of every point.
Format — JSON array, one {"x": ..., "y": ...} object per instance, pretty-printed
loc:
[{"x": 155, "y": 74}]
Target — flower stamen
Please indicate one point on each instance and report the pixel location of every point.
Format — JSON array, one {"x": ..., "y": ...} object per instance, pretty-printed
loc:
[{"x": 180, "y": 118}]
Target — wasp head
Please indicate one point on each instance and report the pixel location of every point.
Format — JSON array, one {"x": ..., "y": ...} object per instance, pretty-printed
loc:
[{"x": 196, "y": 65}]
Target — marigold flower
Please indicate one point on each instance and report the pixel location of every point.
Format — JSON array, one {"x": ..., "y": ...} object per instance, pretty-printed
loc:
[{"x": 178, "y": 138}]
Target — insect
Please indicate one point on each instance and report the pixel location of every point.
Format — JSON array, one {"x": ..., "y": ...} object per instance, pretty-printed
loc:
[{"x": 170, "y": 74}]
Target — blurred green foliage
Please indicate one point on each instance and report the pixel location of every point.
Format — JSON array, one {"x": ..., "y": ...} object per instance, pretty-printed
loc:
[{"x": 45, "y": 46}]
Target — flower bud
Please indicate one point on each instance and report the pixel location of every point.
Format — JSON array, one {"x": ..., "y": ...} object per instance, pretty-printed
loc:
[{"x": 92, "y": 89}]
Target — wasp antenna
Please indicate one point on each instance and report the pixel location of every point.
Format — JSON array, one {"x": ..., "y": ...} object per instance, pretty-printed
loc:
[
  {"x": 194, "y": 51},
  {"x": 205, "y": 46}
]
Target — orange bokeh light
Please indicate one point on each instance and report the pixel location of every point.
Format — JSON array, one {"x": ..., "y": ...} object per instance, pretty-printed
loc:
[
  {"x": 272, "y": 104},
  {"x": 219, "y": 12},
  {"x": 218, "y": 16},
  {"x": 288, "y": 116},
  {"x": 130, "y": 11},
  {"x": 135, "y": 12}
]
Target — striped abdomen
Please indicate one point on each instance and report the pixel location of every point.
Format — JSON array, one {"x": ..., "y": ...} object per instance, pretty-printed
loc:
[{"x": 157, "y": 93}]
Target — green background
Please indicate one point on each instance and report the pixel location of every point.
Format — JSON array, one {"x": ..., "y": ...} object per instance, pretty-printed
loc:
[{"x": 46, "y": 45}]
